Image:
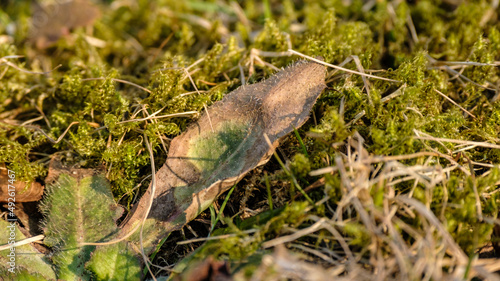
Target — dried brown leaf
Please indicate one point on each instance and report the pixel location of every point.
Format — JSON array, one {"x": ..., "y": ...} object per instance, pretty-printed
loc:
[
  {"x": 23, "y": 191},
  {"x": 224, "y": 144}
]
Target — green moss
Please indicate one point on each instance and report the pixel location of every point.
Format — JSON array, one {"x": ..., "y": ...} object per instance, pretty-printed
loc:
[
  {"x": 125, "y": 160},
  {"x": 361, "y": 237},
  {"x": 460, "y": 213},
  {"x": 300, "y": 165},
  {"x": 243, "y": 245},
  {"x": 17, "y": 155},
  {"x": 85, "y": 144},
  {"x": 150, "y": 43},
  {"x": 481, "y": 53},
  {"x": 271, "y": 38}
]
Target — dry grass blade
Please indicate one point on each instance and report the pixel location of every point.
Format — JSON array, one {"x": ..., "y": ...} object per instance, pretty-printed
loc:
[
  {"x": 425, "y": 212},
  {"x": 281, "y": 240},
  {"x": 22, "y": 242},
  {"x": 5, "y": 61},
  {"x": 48, "y": 137},
  {"x": 121, "y": 81},
  {"x": 431, "y": 253},
  {"x": 153, "y": 187},
  {"x": 153, "y": 116},
  {"x": 474, "y": 143},
  {"x": 453, "y": 102}
]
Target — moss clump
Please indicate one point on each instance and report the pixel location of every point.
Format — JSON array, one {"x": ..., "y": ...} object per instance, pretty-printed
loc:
[{"x": 300, "y": 165}]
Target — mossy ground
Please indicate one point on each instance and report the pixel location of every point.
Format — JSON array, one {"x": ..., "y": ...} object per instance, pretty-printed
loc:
[{"x": 423, "y": 44}]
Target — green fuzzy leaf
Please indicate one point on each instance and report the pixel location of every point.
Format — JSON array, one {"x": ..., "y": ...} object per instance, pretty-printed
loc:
[
  {"x": 30, "y": 264},
  {"x": 115, "y": 262},
  {"x": 23, "y": 275},
  {"x": 79, "y": 208}
]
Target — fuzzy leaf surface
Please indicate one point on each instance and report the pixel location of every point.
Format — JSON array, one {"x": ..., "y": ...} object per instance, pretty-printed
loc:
[
  {"x": 79, "y": 208},
  {"x": 29, "y": 261},
  {"x": 114, "y": 262}
]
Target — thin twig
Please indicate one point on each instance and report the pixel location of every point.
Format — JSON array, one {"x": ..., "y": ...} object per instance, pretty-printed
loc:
[
  {"x": 300, "y": 233},
  {"x": 47, "y": 136},
  {"x": 219, "y": 237},
  {"x": 453, "y": 102},
  {"x": 365, "y": 81},
  {"x": 152, "y": 116},
  {"x": 121, "y": 81},
  {"x": 5, "y": 61},
  {"x": 341, "y": 68},
  {"x": 151, "y": 199},
  {"x": 481, "y": 144}
]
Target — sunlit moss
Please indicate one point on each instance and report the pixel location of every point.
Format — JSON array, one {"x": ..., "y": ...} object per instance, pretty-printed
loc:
[
  {"x": 150, "y": 43},
  {"x": 271, "y": 38},
  {"x": 300, "y": 165}
]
